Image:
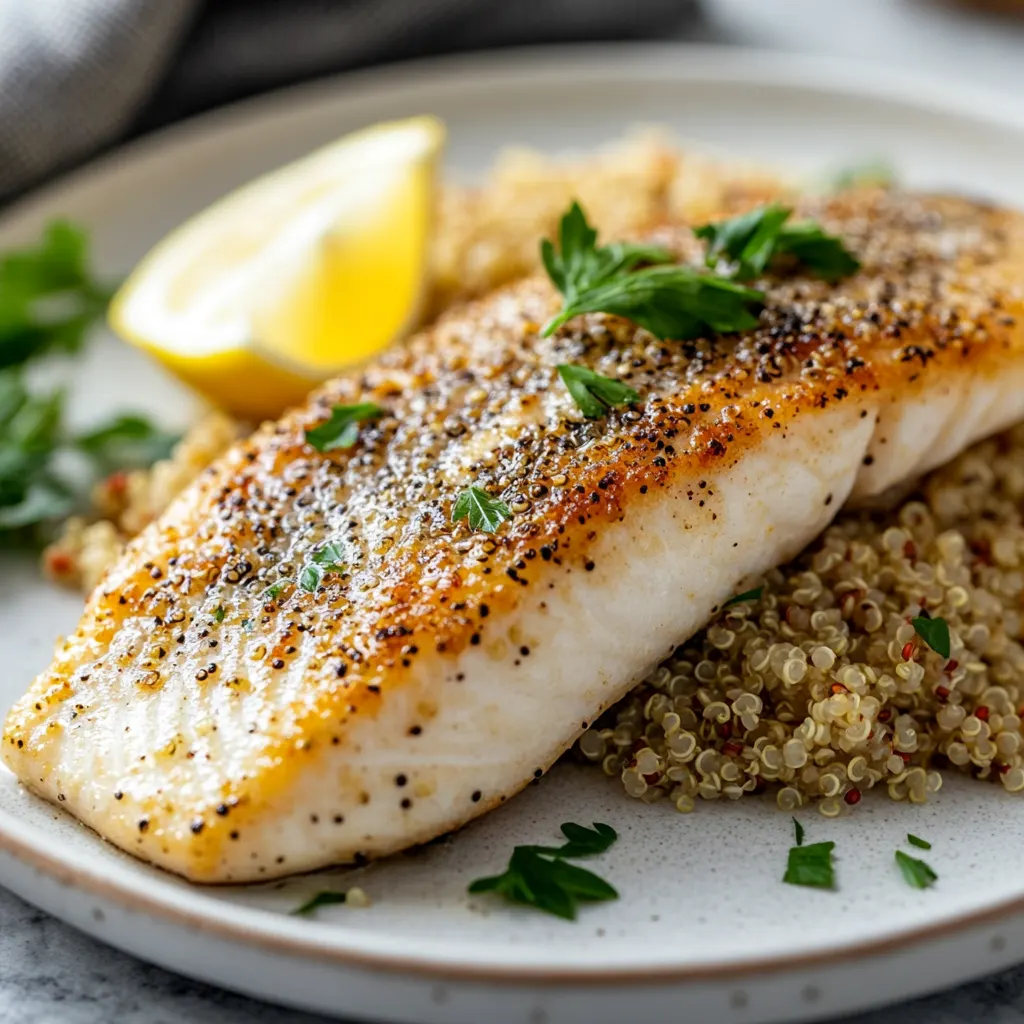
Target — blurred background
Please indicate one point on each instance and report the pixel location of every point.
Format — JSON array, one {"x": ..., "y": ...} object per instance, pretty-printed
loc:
[{"x": 77, "y": 76}]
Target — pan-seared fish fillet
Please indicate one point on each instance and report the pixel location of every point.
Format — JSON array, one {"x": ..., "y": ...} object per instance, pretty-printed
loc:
[{"x": 202, "y": 724}]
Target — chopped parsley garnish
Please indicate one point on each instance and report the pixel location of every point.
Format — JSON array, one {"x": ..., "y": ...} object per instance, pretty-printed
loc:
[
  {"x": 218, "y": 613},
  {"x": 668, "y": 300},
  {"x": 327, "y": 560},
  {"x": 915, "y": 872},
  {"x": 747, "y": 595},
  {"x": 342, "y": 429},
  {"x": 594, "y": 394},
  {"x": 921, "y": 844},
  {"x": 811, "y": 865},
  {"x": 320, "y": 899},
  {"x": 538, "y": 876},
  {"x": 934, "y": 632},
  {"x": 483, "y": 512},
  {"x": 799, "y": 830},
  {"x": 273, "y": 591},
  {"x": 748, "y": 243}
]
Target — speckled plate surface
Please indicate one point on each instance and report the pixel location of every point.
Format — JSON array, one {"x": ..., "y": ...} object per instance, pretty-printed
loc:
[{"x": 704, "y": 929}]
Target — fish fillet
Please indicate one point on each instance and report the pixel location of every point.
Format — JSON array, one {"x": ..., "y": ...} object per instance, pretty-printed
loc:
[{"x": 226, "y": 734}]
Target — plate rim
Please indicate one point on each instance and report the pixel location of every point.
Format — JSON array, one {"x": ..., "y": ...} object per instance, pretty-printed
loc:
[{"x": 657, "y": 61}]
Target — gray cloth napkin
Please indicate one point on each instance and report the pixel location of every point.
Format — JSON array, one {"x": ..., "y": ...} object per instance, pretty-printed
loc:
[{"x": 77, "y": 75}]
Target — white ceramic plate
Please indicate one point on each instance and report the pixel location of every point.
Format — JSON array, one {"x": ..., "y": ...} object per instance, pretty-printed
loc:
[{"x": 704, "y": 930}]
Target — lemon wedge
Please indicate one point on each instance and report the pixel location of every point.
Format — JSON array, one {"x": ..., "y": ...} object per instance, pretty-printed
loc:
[{"x": 294, "y": 277}]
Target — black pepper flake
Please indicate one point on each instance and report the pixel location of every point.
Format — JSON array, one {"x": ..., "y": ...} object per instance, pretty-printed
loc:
[
  {"x": 143, "y": 824},
  {"x": 475, "y": 639},
  {"x": 197, "y": 826},
  {"x": 406, "y": 803},
  {"x": 484, "y": 611},
  {"x": 401, "y": 780},
  {"x": 588, "y": 565},
  {"x": 476, "y": 796}
]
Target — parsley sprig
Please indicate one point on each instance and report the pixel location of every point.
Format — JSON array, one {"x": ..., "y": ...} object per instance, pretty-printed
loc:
[
  {"x": 668, "y": 300},
  {"x": 538, "y": 876},
  {"x": 744, "y": 246},
  {"x": 49, "y": 299},
  {"x": 481, "y": 510}
]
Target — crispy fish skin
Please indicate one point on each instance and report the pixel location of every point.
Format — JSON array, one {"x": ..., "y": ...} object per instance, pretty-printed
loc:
[{"x": 226, "y": 734}]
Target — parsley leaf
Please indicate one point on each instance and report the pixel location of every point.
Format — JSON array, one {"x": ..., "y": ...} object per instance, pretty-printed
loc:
[
  {"x": 934, "y": 632},
  {"x": 342, "y": 429},
  {"x": 915, "y": 872},
  {"x": 539, "y": 876},
  {"x": 582, "y": 841},
  {"x": 580, "y": 264},
  {"x": 483, "y": 512},
  {"x": 811, "y": 865},
  {"x": 310, "y": 578},
  {"x": 320, "y": 899},
  {"x": 799, "y": 830},
  {"x": 327, "y": 560},
  {"x": 749, "y": 242},
  {"x": 127, "y": 440},
  {"x": 48, "y": 298},
  {"x": 823, "y": 254},
  {"x": 671, "y": 302},
  {"x": 272, "y": 592},
  {"x": 921, "y": 844},
  {"x": 593, "y": 393},
  {"x": 219, "y": 613},
  {"x": 668, "y": 300},
  {"x": 747, "y": 595}
]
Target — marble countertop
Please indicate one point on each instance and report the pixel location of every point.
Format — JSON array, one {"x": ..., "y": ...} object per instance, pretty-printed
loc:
[{"x": 51, "y": 974}]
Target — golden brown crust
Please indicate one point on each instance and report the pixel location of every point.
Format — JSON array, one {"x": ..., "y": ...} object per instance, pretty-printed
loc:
[{"x": 477, "y": 400}]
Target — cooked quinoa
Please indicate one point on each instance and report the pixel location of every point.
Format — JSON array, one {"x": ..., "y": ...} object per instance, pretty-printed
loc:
[
  {"x": 126, "y": 502},
  {"x": 820, "y": 687}
]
